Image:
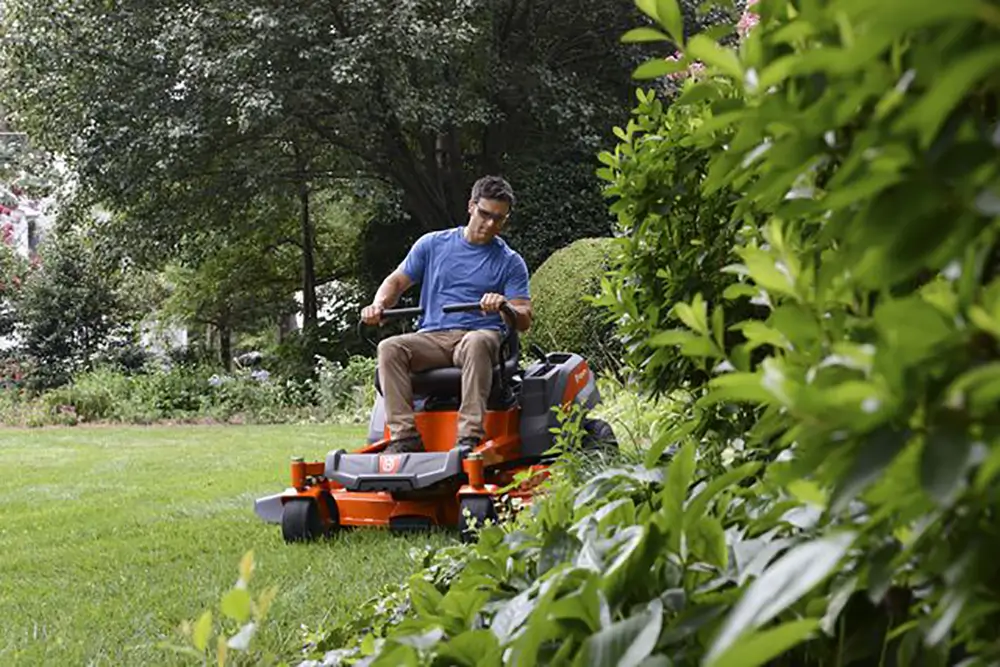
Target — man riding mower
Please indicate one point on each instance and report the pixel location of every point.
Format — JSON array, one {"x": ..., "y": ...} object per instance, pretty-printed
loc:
[{"x": 478, "y": 420}]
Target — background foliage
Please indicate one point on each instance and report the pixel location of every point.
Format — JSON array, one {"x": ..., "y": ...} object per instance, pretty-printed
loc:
[{"x": 564, "y": 319}]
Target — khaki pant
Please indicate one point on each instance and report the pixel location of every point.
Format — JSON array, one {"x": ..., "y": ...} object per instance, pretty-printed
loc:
[{"x": 475, "y": 352}]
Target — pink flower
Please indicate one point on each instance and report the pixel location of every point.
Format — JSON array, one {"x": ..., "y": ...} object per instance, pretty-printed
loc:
[
  {"x": 748, "y": 20},
  {"x": 7, "y": 233},
  {"x": 693, "y": 70}
]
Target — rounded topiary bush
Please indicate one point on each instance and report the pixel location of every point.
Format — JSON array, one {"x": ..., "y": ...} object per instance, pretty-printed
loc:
[{"x": 564, "y": 319}]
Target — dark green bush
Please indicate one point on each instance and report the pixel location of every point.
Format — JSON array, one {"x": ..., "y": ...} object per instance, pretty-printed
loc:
[
  {"x": 558, "y": 204},
  {"x": 565, "y": 320}
]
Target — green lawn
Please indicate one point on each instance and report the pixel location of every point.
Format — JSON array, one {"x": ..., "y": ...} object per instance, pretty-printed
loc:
[{"x": 111, "y": 537}]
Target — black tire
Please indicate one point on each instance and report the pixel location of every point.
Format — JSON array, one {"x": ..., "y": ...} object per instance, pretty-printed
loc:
[
  {"x": 600, "y": 436},
  {"x": 300, "y": 521},
  {"x": 473, "y": 513}
]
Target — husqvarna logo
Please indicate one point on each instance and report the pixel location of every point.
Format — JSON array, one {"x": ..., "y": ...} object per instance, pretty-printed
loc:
[{"x": 388, "y": 463}]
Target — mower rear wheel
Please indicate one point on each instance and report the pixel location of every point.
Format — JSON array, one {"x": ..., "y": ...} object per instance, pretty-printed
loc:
[
  {"x": 474, "y": 512},
  {"x": 300, "y": 521},
  {"x": 599, "y": 436}
]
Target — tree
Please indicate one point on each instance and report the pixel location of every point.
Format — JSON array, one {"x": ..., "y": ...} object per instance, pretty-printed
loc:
[
  {"x": 70, "y": 308},
  {"x": 233, "y": 101}
]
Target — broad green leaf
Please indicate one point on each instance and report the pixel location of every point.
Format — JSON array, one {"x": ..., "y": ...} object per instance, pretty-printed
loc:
[
  {"x": 475, "y": 648},
  {"x": 625, "y": 643},
  {"x": 671, "y": 337},
  {"x": 426, "y": 599},
  {"x": 767, "y": 271},
  {"x": 698, "y": 505},
  {"x": 648, "y": 7},
  {"x": 758, "y": 334},
  {"x": 670, "y": 18},
  {"x": 679, "y": 475},
  {"x": 948, "y": 89},
  {"x": 761, "y": 647},
  {"x": 422, "y": 641},
  {"x": 950, "y": 607},
  {"x": 782, "y": 585},
  {"x": 944, "y": 463},
  {"x": 202, "y": 631},
  {"x": 978, "y": 388},
  {"x": 709, "y": 52},
  {"x": 644, "y": 34},
  {"x": 694, "y": 315},
  {"x": 236, "y": 605},
  {"x": 877, "y": 451},
  {"x": 808, "y": 491},
  {"x": 463, "y": 603},
  {"x": 737, "y": 388},
  {"x": 706, "y": 541},
  {"x": 837, "y": 601},
  {"x": 989, "y": 470},
  {"x": 657, "y": 67}
]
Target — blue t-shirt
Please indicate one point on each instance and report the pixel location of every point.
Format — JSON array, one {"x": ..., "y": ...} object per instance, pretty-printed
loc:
[{"x": 451, "y": 270}]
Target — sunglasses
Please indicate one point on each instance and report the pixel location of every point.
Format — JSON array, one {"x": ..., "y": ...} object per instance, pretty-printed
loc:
[{"x": 489, "y": 215}]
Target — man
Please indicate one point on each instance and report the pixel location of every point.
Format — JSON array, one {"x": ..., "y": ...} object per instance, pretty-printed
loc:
[{"x": 461, "y": 265}]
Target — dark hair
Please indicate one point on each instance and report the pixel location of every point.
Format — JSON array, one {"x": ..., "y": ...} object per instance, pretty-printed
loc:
[{"x": 493, "y": 187}]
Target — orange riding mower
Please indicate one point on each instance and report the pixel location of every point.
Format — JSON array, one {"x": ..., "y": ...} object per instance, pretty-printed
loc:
[{"x": 445, "y": 486}]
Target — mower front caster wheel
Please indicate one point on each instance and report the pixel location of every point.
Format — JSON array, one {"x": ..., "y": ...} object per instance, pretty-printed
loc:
[
  {"x": 473, "y": 513},
  {"x": 301, "y": 521}
]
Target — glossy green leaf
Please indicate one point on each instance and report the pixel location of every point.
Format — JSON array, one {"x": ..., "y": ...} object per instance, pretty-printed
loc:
[
  {"x": 706, "y": 541},
  {"x": 202, "y": 631},
  {"x": 625, "y": 643},
  {"x": 709, "y": 52},
  {"x": 657, "y": 67},
  {"x": 929, "y": 114},
  {"x": 875, "y": 454},
  {"x": 782, "y": 584},
  {"x": 424, "y": 596},
  {"x": 644, "y": 34},
  {"x": 944, "y": 463},
  {"x": 679, "y": 475},
  {"x": 236, "y": 605},
  {"x": 759, "y": 648},
  {"x": 475, "y": 648},
  {"x": 670, "y": 18}
]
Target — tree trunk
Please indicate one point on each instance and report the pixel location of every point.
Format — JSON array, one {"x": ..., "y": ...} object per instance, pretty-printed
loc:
[
  {"x": 226, "y": 347},
  {"x": 310, "y": 310}
]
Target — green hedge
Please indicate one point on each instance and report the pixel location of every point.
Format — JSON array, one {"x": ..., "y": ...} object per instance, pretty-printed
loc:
[{"x": 565, "y": 320}]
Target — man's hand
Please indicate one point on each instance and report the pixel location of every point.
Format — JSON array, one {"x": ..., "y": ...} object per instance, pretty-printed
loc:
[
  {"x": 491, "y": 303},
  {"x": 372, "y": 315}
]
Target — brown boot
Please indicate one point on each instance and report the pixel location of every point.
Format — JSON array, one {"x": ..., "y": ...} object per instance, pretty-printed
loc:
[
  {"x": 409, "y": 445},
  {"x": 468, "y": 441}
]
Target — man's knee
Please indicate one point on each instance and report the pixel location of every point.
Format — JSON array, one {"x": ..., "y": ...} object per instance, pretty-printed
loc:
[
  {"x": 479, "y": 345},
  {"x": 390, "y": 349}
]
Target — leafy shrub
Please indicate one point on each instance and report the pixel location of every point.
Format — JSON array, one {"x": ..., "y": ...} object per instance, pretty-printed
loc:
[
  {"x": 672, "y": 239},
  {"x": 195, "y": 393},
  {"x": 346, "y": 389},
  {"x": 854, "y": 522},
  {"x": 564, "y": 319}
]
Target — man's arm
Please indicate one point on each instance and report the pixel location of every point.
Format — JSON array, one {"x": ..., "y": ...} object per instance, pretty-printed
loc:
[
  {"x": 387, "y": 296},
  {"x": 492, "y": 302},
  {"x": 524, "y": 313}
]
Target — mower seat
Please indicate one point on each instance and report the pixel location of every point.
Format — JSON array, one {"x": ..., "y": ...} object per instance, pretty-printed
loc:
[{"x": 447, "y": 382}]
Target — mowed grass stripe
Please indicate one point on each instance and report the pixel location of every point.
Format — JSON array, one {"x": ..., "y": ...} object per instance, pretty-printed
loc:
[{"x": 110, "y": 537}]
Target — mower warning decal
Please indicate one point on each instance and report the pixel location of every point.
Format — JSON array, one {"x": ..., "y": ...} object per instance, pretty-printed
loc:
[{"x": 389, "y": 463}]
